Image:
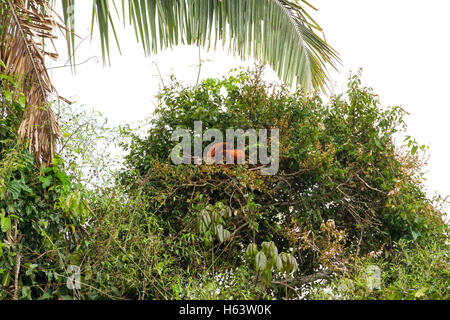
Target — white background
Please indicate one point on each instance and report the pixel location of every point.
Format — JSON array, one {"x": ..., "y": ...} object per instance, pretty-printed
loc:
[{"x": 403, "y": 47}]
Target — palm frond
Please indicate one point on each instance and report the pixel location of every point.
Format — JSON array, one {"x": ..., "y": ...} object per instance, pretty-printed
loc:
[
  {"x": 25, "y": 27},
  {"x": 278, "y": 32}
]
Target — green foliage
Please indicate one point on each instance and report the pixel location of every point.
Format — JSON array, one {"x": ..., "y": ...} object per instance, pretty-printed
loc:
[
  {"x": 417, "y": 271},
  {"x": 343, "y": 190},
  {"x": 345, "y": 199},
  {"x": 267, "y": 260},
  {"x": 42, "y": 217}
]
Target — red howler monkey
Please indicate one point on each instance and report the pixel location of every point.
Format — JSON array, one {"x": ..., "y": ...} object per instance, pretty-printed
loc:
[
  {"x": 218, "y": 147},
  {"x": 235, "y": 156},
  {"x": 232, "y": 156}
]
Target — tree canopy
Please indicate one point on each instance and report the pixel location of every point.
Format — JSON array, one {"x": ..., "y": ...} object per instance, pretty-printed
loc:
[{"x": 345, "y": 199}]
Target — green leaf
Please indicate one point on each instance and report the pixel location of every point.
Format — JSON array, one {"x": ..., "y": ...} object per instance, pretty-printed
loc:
[
  {"x": 62, "y": 176},
  {"x": 201, "y": 227},
  {"x": 14, "y": 187},
  {"x": 206, "y": 218},
  {"x": 46, "y": 181},
  {"x": 421, "y": 292},
  {"x": 273, "y": 248},
  {"x": 26, "y": 188},
  {"x": 278, "y": 263},
  {"x": 378, "y": 143},
  {"x": 16, "y": 217},
  {"x": 293, "y": 264},
  {"x": 261, "y": 261},
  {"x": 220, "y": 234},
  {"x": 8, "y": 96},
  {"x": 26, "y": 292},
  {"x": 267, "y": 276},
  {"x": 226, "y": 234},
  {"x": 252, "y": 249},
  {"x": 5, "y": 224},
  {"x": 22, "y": 102},
  {"x": 414, "y": 234}
]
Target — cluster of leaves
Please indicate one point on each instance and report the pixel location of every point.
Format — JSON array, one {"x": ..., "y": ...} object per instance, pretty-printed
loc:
[
  {"x": 267, "y": 260},
  {"x": 212, "y": 220}
]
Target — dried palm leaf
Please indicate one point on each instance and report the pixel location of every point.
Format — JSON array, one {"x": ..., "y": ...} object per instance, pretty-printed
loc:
[{"x": 25, "y": 27}]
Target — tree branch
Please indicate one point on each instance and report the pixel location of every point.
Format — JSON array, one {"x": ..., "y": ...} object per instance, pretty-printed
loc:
[{"x": 321, "y": 275}]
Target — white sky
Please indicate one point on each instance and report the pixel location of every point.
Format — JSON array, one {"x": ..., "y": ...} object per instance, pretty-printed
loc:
[{"x": 403, "y": 47}]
